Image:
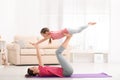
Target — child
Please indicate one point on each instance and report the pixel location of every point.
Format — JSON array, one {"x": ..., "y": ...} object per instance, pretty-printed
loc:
[
  {"x": 47, "y": 34},
  {"x": 4, "y": 58},
  {"x": 65, "y": 70},
  {"x": 3, "y": 52}
]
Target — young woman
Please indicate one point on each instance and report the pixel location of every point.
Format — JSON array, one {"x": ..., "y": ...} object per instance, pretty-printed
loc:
[
  {"x": 48, "y": 71},
  {"x": 47, "y": 34}
]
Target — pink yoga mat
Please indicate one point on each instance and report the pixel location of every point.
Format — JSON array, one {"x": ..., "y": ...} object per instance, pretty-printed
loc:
[{"x": 90, "y": 75}]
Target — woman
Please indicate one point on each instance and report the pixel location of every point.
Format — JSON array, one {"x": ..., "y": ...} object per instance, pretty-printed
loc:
[{"x": 48, "y": 71}]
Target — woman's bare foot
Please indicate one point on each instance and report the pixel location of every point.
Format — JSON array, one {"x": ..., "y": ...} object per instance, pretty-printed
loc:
[
  {"x": 91, "y": 23},
  {"x": 67, "y": 35}
]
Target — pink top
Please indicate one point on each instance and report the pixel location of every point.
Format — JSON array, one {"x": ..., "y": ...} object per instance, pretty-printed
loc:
[
  {"x": 58, "y": 34},
  {"x": 46, "y": 71}
]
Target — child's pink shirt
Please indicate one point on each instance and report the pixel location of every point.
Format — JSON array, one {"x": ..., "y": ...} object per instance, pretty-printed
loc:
[{"x": 58, "y": 34}]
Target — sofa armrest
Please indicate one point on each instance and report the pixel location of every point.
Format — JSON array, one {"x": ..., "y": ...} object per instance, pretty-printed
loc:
[
  {"x": 13, "y": 46},
  {"x": 13, "y": 53}
]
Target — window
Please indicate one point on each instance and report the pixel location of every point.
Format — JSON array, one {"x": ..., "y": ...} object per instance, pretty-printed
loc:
[{"x": 80, "y": 12}]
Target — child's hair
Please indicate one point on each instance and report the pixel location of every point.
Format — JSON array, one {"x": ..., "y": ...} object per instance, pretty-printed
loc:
[
  {"x": 30, "y": 72},
  {"x": 44, "y": 30}
]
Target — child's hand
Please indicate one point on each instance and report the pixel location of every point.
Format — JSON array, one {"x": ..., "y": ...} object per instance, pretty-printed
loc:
[{"x": 34, "y": 44}]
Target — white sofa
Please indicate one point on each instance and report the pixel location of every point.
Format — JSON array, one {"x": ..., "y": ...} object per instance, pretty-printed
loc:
[{"x": 20, "y": 52}]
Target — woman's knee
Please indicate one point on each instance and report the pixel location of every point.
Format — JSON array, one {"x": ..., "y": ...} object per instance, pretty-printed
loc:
[
  {"x": 68, "y": 72},
  {"x": 71, "y": 71}
]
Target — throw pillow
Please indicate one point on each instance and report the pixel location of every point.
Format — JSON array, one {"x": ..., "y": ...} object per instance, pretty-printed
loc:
[{"x": 21, "y": 43}]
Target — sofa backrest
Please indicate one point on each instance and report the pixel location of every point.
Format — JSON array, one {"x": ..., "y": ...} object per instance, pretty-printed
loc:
[{"x": 24, "y": 42}]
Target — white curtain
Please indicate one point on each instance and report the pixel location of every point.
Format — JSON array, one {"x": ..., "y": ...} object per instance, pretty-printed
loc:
[{"x": 79, "y": 12}]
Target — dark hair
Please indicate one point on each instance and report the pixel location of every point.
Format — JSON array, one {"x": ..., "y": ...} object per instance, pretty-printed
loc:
[
  {"x": 30, "y": 72},
  {"x": 44, "y": 30}
]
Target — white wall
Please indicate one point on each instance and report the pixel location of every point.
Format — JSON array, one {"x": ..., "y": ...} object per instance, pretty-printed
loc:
[
  {"x": 27, "y": 17},
  {"x": 115, "y": 31},
  {"x": 20, "y": 17},
  {"x": 7, "y": 19}
]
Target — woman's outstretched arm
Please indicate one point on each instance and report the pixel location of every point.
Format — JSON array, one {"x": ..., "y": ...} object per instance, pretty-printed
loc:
[{"x": 38, "y": 55}]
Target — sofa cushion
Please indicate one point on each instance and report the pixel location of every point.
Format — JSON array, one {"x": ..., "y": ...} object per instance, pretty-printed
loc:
[
  {"x": 52, "y": 51},
  {"x": 30, "y": 51},
  {"x": 21, "y": 43},
  {"x": 49, "y": 51},
  {"x": 46, "y": 45}
]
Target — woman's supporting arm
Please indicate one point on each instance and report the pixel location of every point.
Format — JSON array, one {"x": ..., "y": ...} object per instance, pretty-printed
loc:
[{"x": 38, "y": 55}]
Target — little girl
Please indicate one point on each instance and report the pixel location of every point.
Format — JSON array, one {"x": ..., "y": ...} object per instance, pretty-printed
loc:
[{"x": 47, "y": 34}]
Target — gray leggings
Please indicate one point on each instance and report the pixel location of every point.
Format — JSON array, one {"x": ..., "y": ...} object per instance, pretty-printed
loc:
[
  {"x": 71, "y": 31},
  {"x": 67, "y": 68}
]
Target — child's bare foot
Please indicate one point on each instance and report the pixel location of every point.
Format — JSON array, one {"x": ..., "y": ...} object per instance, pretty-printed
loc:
[
  {"x": 91, "y": 23},
  {"x": 4, "y": 60},
  {"x": 5, "y": 63}
]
